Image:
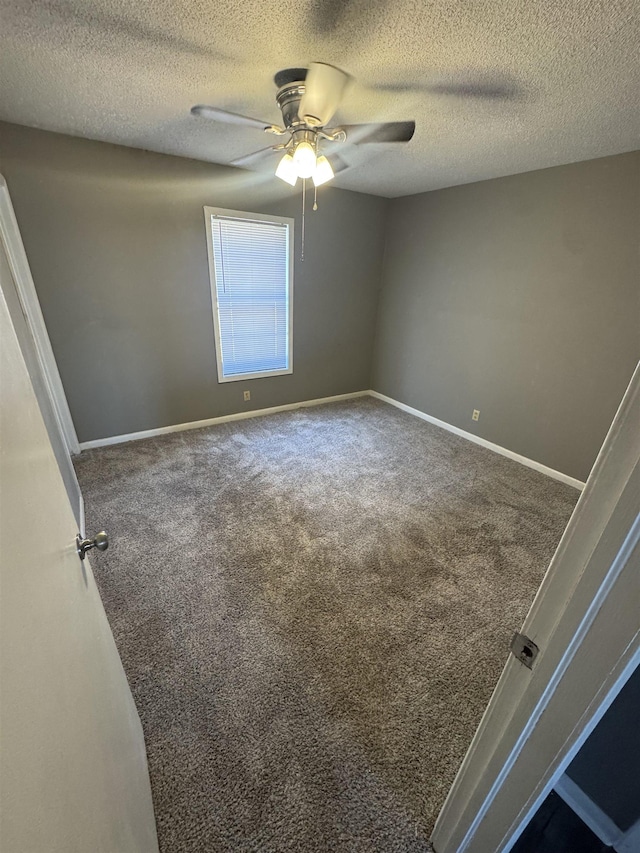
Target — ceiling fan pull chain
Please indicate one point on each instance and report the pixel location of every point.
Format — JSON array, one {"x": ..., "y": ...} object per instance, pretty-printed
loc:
[
  {"x": 315, "y": 186},
  {"x": 304, "y": 198}
]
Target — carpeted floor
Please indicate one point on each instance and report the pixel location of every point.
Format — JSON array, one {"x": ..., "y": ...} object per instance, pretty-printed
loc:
[{"x": 312, "y": 609}]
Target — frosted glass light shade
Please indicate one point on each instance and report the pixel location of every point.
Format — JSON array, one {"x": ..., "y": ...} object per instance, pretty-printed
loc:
[
  {"x": 323, "y": 171},
  {"x": 287, "y": 170},
  {"x": 304, "y": 158}
]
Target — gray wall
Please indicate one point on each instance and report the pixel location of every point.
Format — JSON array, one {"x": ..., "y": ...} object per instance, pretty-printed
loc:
[
  {"x": 607, "y": 768},
  {"x": 520, "y": 297},
  {"x": 116, "y": 242},
  {"x": 40, "y": 387}
]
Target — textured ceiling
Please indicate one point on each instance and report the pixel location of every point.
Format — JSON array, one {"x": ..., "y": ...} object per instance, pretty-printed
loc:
[{"x": 504, "y": 86}]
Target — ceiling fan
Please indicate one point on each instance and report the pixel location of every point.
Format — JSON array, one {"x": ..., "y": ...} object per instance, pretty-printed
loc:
[{"x": 308, "y": 99}]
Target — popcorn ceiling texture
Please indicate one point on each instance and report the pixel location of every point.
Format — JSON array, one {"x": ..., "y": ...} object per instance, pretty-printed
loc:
[
  {"x": 565, "y": 75},
  {"x": 312, "y": 609}
]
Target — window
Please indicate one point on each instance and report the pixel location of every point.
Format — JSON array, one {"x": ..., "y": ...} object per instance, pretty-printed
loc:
[{"x": 251, "y": 268}]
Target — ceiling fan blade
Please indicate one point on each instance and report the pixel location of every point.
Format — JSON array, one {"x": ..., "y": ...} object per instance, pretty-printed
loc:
[
  {"x": 255, "y": 158},
  {"x": 328, "y": 16},
  {"x": 392, "y": 131},
  {"x": 344, "y": 18},
  {"x": 217, "y": 114},
  {"x": 324, "y": 89},
  {"x": 489, "y": 88},
  {"x": 337, "y": 163},
  {"x": 496, "y": 91},
  {"x": 114, "y": 28}
]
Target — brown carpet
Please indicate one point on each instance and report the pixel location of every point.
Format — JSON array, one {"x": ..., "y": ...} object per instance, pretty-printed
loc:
[{"x": 312, "y": 609}]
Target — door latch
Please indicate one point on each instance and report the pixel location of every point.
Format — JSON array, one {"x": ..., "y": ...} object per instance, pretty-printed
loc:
[
  {"x": 524, "y": 649},
  {"x": 99, "y": 541}
]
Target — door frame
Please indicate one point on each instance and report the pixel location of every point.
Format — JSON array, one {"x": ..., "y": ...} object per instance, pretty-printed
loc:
[
  {"x": 537, "y": 719},
  {"x": 17, "y": 257}
]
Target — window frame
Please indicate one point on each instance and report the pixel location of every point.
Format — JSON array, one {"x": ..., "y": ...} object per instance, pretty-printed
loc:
[{"x": 224, "y": 213}]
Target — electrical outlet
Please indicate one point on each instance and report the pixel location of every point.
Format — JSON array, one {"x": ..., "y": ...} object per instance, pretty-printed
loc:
[
  {"x": 246, "y": 395},
  {"x": 476, "y": 415}
]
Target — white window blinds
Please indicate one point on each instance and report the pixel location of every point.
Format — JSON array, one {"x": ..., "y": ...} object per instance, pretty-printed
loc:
[{"x": 251, "y": 272}]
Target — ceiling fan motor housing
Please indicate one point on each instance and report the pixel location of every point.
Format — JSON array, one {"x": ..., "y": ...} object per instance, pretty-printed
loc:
[{"x": 288, "y": 99}]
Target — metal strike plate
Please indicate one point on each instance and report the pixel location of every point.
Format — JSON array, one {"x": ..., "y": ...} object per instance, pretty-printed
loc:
[{"x": 524, "y": 649}]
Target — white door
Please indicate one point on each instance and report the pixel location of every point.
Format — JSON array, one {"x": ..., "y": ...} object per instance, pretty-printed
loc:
[
  {"x": 24, "y": 309},
  {"x": 586, "y": 621},
  {"x": 73, "y": 769}
]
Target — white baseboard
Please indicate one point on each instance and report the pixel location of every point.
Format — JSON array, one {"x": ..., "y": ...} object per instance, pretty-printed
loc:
[
  {"x": 588, "y": 812},
  {"x": 256, "y": 413},
  {"x": 239, "y": 416},
  {"x": 524, "y": 460}
]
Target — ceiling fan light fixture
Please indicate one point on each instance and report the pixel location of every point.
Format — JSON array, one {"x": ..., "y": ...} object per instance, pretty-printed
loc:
[
  {"x": 287, "y": 170},
  {"x": 323, "y": 171},
  {"x": 304, "y": 159}
]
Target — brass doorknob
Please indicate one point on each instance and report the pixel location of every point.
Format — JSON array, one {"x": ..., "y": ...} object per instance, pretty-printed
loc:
[{"x": 99, "y": 541}]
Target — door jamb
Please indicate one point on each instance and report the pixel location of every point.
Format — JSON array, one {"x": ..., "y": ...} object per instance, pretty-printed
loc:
[{"x": 10, "y": 234}]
